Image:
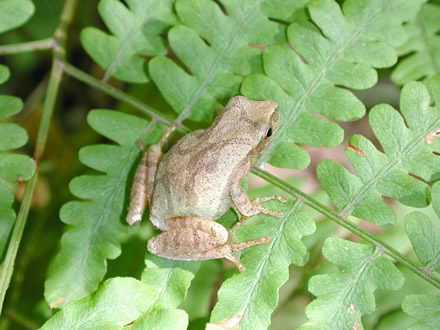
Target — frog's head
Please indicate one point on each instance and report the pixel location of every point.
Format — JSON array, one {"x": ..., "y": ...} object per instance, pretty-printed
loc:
[{"x": 257, "y": 120}]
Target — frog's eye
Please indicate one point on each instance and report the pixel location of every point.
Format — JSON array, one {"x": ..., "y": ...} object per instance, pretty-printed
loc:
[
  {"x": 269, "y": 132},
  {"x": 267, "y": 135}
]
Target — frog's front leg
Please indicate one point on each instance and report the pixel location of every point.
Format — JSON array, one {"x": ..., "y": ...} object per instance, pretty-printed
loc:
[
  {"x": 143, "y": 181},
  {"x": 196, "y": 238},
  {"x": 243, "y": 204}
]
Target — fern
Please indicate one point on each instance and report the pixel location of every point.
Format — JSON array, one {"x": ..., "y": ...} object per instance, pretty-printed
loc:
[
  {"x": 135, "y": 35},
  {"x": 422, "y": 47},
  {"x": 214, "y": 46},
  {"x": 342, "y": 48},
  {"x": 424, "y": 234},
  {"x": 408, "y": 150},
  {"x": 426, "y": 309},
  {"x": 81, "y": 264},
  {"x": 171, "y": 280},
  {"x": 14, "y": 167},
  {"x": 248, "y": 299},
  {"x": 345, "y": 296},
  {"x": 218, "y": 49},
  {"x": 116, "y": 303},
  {"x": 14, "y": 13}
]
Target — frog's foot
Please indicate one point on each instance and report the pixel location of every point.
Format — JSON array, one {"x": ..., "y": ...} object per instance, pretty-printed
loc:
[
  {"x": 257, "y": 202},
  {"x": 239, "y": 246}
]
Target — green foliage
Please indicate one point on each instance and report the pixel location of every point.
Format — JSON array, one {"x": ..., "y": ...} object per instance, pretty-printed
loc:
[
  {"x": 90, "y": 240},
  {"x": 305, "y": 55},
  {"x": 349, "y": 43},
  {"x": 343, "y": 297},
  {"x": 214, "y": 47},
  {"x": 426, "y": 309},
  {"x": 170, "y": 278},
  {"x": 14, "y": 13},
  {"x": 422, "y": 47},
  {"x": 162, "y": 319},
  {"x": 135, "y": 35},
  {"x": 118, "y": 302},
  {"x": 248, "y": 299},
  {"x": 14, "y": 167},
  {"x": 424, "y": 233},
  {"x": 408, "y": 149}
]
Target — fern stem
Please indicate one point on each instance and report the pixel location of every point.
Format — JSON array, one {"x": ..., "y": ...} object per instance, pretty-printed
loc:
[
  {"x": 31, "y": 46},
  {"x": 56, "y": 73},
  {"x": 342, "y": 221},
  {"x": 116, "y": 93}
]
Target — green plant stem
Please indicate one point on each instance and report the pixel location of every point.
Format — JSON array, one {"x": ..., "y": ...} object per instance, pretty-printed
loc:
[
  {"x": 56, "y": 74},
  {"x": 44, "y": 44},
  {"x": 342, "y": 221},
  {"x": 116, "y": 93}
]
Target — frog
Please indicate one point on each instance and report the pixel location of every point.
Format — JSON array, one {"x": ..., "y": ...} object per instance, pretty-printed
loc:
[{"x": 198, "y": 179}]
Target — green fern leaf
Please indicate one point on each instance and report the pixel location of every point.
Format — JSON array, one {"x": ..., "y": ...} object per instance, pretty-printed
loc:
[
  {"x": 175, "y": 319},
  {"x": 248, "y": 299},
  {"x": 408, "y": 150},
  {"x": 14, "y": 13},
  {"x": 118, "y": 302},
  {"x": 345, "y": 296},
  {"x": 135, "y": 35},
  {"x": 214, "y": 47},
  {"x": 423, "y": 47},
  {"x": 13, "y": 167},
  {"x": 349, "y": 43},
  {"x": 424, "y": 233},
  {"x": 426, "y": 309},
  {"x": 90, "y": 240},
  {"x": 170, "y": 278},
  {"x": 287, "y": 11}
]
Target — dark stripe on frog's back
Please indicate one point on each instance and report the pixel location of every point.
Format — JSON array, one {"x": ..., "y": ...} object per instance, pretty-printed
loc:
[{"x": 208, "y": 160}]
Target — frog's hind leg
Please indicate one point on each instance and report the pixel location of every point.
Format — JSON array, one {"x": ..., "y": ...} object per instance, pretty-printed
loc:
[
  {"x": 195, "y": 238},
  {"x": 143, "y": 181}
]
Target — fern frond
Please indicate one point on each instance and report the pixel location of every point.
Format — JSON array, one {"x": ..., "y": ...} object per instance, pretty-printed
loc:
[
  {"x": 248, "y": 299},
  {"x": 175, "y": 319},
  {"x": 135, "y": 34},
  {"x": 170, "y": 278},
  {"x": 408, "y": 153},
  {"x": 424, "y": 233},
  {"x": 14, "y": 13},
  {"x": 118, "y": 302},
  {"x": 14, "y": 167},
  {"x": 422, "y": 47},
  {"x": 425, "y": 309},
  {"x": 214, "y": 47},
  {"x": 343, "y": 297},
  {"x": 340, "y": 48},
  {"x": 287, "y": 11},
  {"x": 90, "y": 240}
]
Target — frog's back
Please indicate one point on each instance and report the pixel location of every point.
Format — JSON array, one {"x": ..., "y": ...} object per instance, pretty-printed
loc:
[{"x": 193, "y": 179}]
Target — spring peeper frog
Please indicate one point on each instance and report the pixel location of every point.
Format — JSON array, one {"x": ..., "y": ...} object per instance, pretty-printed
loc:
[{"x": 196, "y": 181}]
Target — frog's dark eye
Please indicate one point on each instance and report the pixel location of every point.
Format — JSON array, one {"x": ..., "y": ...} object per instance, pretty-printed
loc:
[{"x": 269, "y": 132}]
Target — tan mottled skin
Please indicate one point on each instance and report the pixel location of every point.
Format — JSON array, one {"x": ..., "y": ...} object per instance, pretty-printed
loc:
[{"x": 198, "y": 179}]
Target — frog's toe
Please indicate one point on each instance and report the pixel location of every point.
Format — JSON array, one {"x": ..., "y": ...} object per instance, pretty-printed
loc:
[
  {"x": 282, "y": 199},
  {"x": 275, "y": 214}
]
